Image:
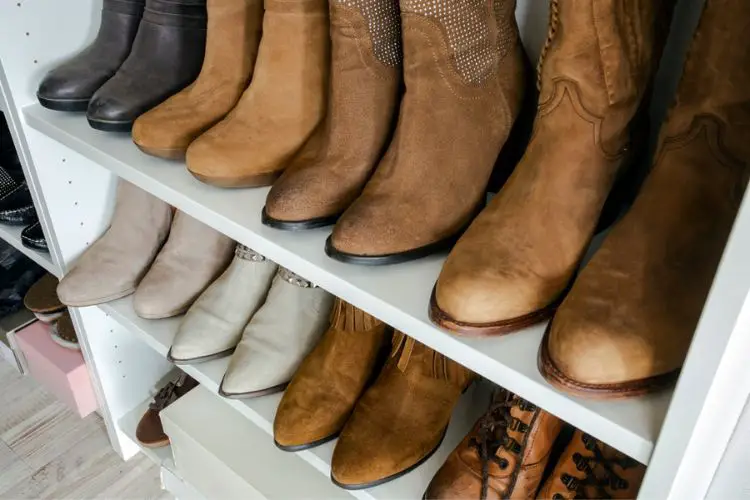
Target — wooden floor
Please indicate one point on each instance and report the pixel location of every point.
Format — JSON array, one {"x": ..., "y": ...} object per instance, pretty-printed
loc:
[{"x": 47, "y": 451}]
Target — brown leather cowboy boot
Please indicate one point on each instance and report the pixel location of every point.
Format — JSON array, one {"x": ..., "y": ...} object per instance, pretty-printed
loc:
[
  {"x": 464, "y": 72},
  {"x": 231, "y": 46},
  {"x": 503, "y": 457},
  {"x": 627, "y": 323},
  {"x": 280, "y": 109},
  {"x": 363, "y": 98},
  {"x": 401, "y": 420},
  {"x": 589, "y": 468},
  {"x": 323, "y": 392},
  {"x": 511, "y": 266}
]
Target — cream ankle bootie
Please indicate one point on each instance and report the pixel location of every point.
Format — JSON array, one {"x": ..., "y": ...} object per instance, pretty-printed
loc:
[
  {"x": 213, "y": 325},
  {"x": 274, "y": 343}
]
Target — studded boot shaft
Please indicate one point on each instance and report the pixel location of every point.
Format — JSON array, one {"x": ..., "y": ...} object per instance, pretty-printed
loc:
[
  {"x": 517, "y": 258},
  {"x": 464, "y": 76},
  {"x": 333, "y": 167}
]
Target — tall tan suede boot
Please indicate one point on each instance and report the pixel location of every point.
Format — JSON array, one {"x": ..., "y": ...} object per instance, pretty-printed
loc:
[
  {"x": 231, "y": 48},
  {"x": 515, "y": 261},
  {"x": 363, "y": 99},
  {"x": 282, "y": 106},
  {"x": 628, "y": 321},
  {"x": 464, "y": 71}
]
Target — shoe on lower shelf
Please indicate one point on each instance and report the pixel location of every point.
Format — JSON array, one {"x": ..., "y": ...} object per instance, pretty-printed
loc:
[
  {"x": 63, "y": 333},
  {"x": 150, "y": 432},
  {"x": 33, "y": 237},
  {"x": 16, "y": 206},
  {"x": 41, "y": 299}
]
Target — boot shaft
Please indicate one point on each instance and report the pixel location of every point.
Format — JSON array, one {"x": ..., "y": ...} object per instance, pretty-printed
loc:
[
  {"x": 420, "y": 363},
  {"x": 382, "y": 24},
  {"x": 179, "y": 13}
]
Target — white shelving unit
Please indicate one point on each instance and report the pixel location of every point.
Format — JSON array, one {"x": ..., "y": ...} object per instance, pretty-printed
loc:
[
  {"x": 72, "y": 171},
  {"x": 12, "y": 236}
]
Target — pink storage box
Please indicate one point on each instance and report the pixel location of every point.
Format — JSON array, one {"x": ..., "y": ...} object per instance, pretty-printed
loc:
[{"x": 61, "y": 371}]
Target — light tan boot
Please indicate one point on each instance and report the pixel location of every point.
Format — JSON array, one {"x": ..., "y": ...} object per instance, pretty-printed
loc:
[
  {"x": 515, "y": 261},
  {"x": 192, "y": 258},
  {"x": 363, "y": 99},
  {"x": 282, "y": 106},
  {"x": 626, "y": 326},
  {"x": 231, "y": 48},
  {"x": 464, "y": 71},
  {"x": 113, "y": 266}
]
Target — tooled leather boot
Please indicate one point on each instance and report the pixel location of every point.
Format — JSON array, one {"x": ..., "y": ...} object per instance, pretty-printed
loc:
[
  {"x": 511, "y": 266},
  {"x": 589, "y": 468},
  {"x": 231, "y": 47},
  {"x": 464, "y": 71},
  {"x": 69, "y": 87},
  {"x": 503, "y": 457},
  {"x": 628, "y": 321},
  {"x": 363, "y": 98},
  {"x": 282, "y": 106},
  {"x": 330, "y": 380},
  {"x": 401, "y": 420},
  {"x": 166, "y": 57}
]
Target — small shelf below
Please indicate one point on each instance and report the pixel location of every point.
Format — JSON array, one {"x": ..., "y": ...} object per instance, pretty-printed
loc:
[
  {"x": 12, "y": 236},
  {"x": 129, "y": 423}
]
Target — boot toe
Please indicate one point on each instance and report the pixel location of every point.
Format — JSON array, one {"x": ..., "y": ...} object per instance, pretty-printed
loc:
[
  {"x": 208, "y": 158},
  {"x": 81, "y": 288},
  {"x": 156, "y": 299},
  {"x": 109, "y": 108},
  {"x": 197, "y": 342},
  {"x": 302, "y": 195},
  {"x": 155, "y": 133},
  {"x": 455, "y": 480},
  {"x": 298, "y": 427}
]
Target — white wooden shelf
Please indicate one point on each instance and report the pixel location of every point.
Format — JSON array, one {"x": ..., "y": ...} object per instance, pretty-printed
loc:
[
  {"x": 12, "y": 236},
  {"x": 396, "y": 294}
]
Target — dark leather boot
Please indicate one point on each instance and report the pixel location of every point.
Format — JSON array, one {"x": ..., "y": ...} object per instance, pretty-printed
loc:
[
  {"x": 166, "y": 57},
  {"x": 69, "y": 87}
]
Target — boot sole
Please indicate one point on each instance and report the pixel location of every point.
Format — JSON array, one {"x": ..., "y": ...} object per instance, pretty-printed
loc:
[
  {"x": 622, "y": 390},
  {"x": 165, "y": 153},
  {"x": 384, "y": 480},
  {"x": 72, "y": 105},
  {"x": 101, "y": 300},
  {"x": 392, "y": 258},
  {"x": 306, "y": 446},
  {"x": 251, "y": 394},
  {"x": 110, "y": 125},
  {"x": 285, "y": 225},
  {"x": 199, "y": 359},
  {"x": 155, "y": 444},
  {"x": 496, "y": 328},
  {"x": 245, "y": 181}
]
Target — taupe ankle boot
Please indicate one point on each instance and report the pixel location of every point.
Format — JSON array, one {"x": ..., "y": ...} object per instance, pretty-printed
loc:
[
  {"x": 231, "y": 47},
  {"x": 628, "y": 321},
  {"x": 113, "y": 266},
  {"x": 363, "y": 98},
  {"x": 464, "y": 75},
  {"x": 515, "y": 261}
]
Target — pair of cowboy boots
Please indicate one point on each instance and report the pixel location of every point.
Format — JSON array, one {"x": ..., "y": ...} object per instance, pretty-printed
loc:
[
  {"x": 164, "y": 259},
  {"x": 509, "y": 452},
  {"x": 389, "y": 411},
  {"x": 623, "y": 327},
  {"x": 259, "y": 95},
  {"x": 400, "y": 194}
]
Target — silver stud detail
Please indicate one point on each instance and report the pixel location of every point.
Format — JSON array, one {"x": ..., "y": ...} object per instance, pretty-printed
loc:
[
  {"x": 384, "y": 25},
  {"x": 294, "y": 279},
  {"x": 245, "y": 253}
]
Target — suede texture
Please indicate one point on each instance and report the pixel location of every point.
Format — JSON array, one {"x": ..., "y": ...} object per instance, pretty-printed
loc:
[
  {"x": 166, "y": 57},
  {"x": 520, "y": 253},
  {"x": 282, "y": 106},
  {"x": 512, "y": 474},
  {"x": 632, "y": 311},
  {"x": 331, "y": 379},
  {"x": 593, "y": 479},
  {"x": 192, "y": 258},
  {"x": 331, "y": 170},
  {"x": 452, "y": 124},
  {"x": 234, "y": 29},
  {"x": 113, "y": 266},
  {"x": 402, "y": 418}
]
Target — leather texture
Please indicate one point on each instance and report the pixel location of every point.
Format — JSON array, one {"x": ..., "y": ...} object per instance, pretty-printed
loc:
[
  {"x": 331, "y": 379},
  {"x": 279, "y": 336},
  {"x": 17, "y": 207},
  {"x": 401, "y": 419},
  {"x": 365, "y": 86},
  {"x": 42, "y": 296},
  {"x": 113, "y": 265},
  {"x": 166, "y": 57},
  {"x": 518, "y": 256},
  {"x": 589, "y": 468},
  {"x": 192, "y": 258},
  {"x": 233, "y": 34},
  {"x": 149, "y": 431},
  {"x": 626, "y": 325},
  {"x": 503, "y": 457},
  {"x": 213, "y": 325},
  {"x": 464, "y": 71},
  {"x": 33, "y": 237},
  {"x": 282, "y": 106},
  {"x": 69, "y": 86}
]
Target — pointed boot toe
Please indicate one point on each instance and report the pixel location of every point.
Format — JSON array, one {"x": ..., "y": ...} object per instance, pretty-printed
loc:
[
  {"x": 83, "y": 285},
  {"x": 300, "y": 428}
]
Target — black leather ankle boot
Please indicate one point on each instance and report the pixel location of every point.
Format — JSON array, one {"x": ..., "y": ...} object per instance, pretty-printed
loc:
[
  {"x": 69, "y": 87},
  {"x": 166, "y": 57}
]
